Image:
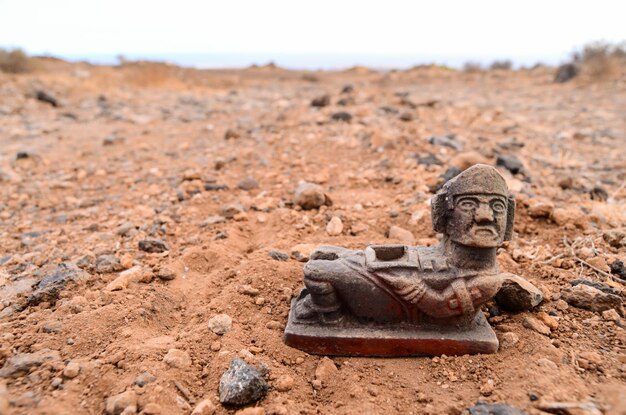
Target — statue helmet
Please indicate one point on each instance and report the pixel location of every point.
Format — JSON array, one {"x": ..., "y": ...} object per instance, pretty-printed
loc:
[{"x": 478, "y": 179}]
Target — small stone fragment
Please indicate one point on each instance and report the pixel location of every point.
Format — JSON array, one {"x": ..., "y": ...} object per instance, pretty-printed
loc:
[
  {"x": 255, "y": 410},
  {"x": 402, "y": 235},
  {"x": 615, "y": 238},
  {"x": 487, "y": 388},
  {"x": 484, "y": 408},
  {"x": 153, "y": 246},
  {"x": 151, "y": 408},
  {"x": 321, "y": 101},
  {"x": 248, "y": 184},
  {"x": 71, "y": 370},
  {"x": 610, "y": 315},
  {"x": 334, "y": 226},
  {"x": 448, "y": 140},
  {"x": 108, "y": 263},
  {"x": 511, "y": 163},
  {"x": 231, "y": 210},
  {"x": 278, "y": 255},
  {"x": 517, "y": 294},
  {"x": 508, "y": 339},
  {"x": 220, "y": 324},
  {"x": 548, "y": 320},
  {"x": 22, "y": 362},
  {"x": 310, "y": 196},
  {"x": 144, "y": 378},
  {"x": 204, "y": 407},
  {"x": 342, "y": 116},
  {"x": 284, "y": 383},
  {"x": 302, "y": 252},
  {"x": 118, "y": 284},
  {"x": 117, "y": 404},
  {"x": 241, "y": 384},
  {"x": 618, "y": 268},
  {"x": 569, "y": 408},
  {"x": 590, "y": 298},
  {"x": 536, "y": 325},
  {"x": 166, "y": 274},
  {"x": 177, "y": 358},
  {"x": 325, "y": 371}
]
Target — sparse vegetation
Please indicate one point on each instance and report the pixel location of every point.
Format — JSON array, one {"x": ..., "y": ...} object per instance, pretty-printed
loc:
[
  {"x": 472, "y": 67},
  {"x": 598, "y": 61},
  {"x": 15, "y": 61},
  {"x": 505, "y": 65}
]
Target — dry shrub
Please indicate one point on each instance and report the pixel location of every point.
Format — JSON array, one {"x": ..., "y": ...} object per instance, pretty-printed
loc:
[
  {"x": 504, "y": 65},
  {"x": 602, "y": 60},
  {"x": 472, "y": 67},
  {"x": 15, "y": 61}
]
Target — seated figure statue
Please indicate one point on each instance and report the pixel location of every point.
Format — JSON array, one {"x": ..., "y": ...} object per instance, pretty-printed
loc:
[{"x": 395, "y": 300}]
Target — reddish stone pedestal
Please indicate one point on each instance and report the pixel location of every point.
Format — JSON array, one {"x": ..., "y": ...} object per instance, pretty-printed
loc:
[{"x": 391, "y": 340}]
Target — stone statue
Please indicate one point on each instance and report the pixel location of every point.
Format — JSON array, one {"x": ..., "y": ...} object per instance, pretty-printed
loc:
[{"x": 395, "y": 300}]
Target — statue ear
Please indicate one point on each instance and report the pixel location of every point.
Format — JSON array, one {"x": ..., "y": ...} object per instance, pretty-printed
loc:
[
  {"x": 510, "y": 217},
  {"x": 439, "y": 215}
]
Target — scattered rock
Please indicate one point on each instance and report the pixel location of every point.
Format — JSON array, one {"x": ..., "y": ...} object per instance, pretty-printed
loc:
[
  {"x": 212, "y": 220},
  {"x": 590, "y": 298},
  {"x": 112, "y": 140},
  {"x": 429, "y": 160},
  {"x": 231, "y": 210},
  {"x": 334, "y": 226},
  {"x": 119, "y": 403},
  {"x": 615, "y": 238},
  {"x": 484, "y": 408},
  {"x": 321, "y": 101},
  {"x": 596, "y": 284},
  {"x": 302, "y": 252},
  {"x": 231, "y": 134},
  {"x": 548, "y": 320},
  {"x": 71, "y": 370},
  {"x": 21, "y": 363},
  {"x": 511, "y": 163},
  {"x": 610, "y": 315},
  {"x": 540, "y": 209},
  {"x": 248, "y": 184},
  {"x": 220, "y": 324},
  {"x": 241, "y": 384},
  {"x": 406, "y": 117},
  {"x": 255, "y": 410},
  {"x": 487, "y": 388},
  {"x": 284, "y": 383},
  {"x": 278, "y": 255},
  {"x": 310, "y": 196},
  {"x": 249, "y": 290},
  {"x": 599, "y": 193},
  {"x": 347, "y": 89},
  {"x": 508, "y": 339},
  {"x": 151, "y": 408},
  {"x": 536, "y": 325},
  {"x": 118, "y": 284},
  {"x": 325, "y": 371},
  {"x": 566, "y": 72},
  {"x": 204, "y": 407},
  {"x": 51, "y": 285},
  {"x": 47, "y": 97},
  {"x": 153, "y": 246},
  {"x": 342, "y": 116},
  {"x": 568, "y": 408},
  {"x": 401, "y": 234},
  {"x": 166, "y": 273},
  {"x": 547, "y": 364},
  {"x": 448, "y": 140},
  {"x": 450, "y": 173},
  {"x": 517, "y": 294},
  {"x": 618, "y": 268},
  {"x": 177, "y": 358},
  {"x": 106, "y": 264},
  {"x": 144, "y": 378}
]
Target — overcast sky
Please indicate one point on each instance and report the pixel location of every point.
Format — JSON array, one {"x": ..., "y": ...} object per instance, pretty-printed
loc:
[{"x": 518, "y": 30}]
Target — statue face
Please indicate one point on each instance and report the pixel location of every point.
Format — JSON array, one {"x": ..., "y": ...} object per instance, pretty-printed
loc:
[{"x": 478, "y": 220}]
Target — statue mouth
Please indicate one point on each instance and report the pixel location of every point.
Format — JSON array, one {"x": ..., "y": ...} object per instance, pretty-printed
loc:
[{"x": 484, "y": 231}]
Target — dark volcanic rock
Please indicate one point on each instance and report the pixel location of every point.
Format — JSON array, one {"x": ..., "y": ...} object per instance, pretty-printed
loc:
[
  {"x": 517, "y": 294},
  {"x": 618, "y": 268},
  {"x": 22, "y": 362},
  {"x": 596, "y": 284},
  {"x": 278, "y": 255},
  {"x": 153, "y": 246},
  {"x": 108, "y": 263},
  {"x": 483, "y": 408},
  {"x": 49, "y": 287},
  {"x": 47, "y": 97},
  {"x": 322, "y": 101},
  {"x": 429, "y": 160},
  {"x": 446, "y": 141},
  {"x": 451, "y": 173},
  {"x": 511, "y": 163},
  {"x": 241, "y": 384},
  {"x": 566, "y": 72},
  {"x": 341, "y": 116}
]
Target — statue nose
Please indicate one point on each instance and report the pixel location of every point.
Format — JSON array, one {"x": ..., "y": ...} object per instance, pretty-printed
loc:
[{"x": 483, "y": 214}]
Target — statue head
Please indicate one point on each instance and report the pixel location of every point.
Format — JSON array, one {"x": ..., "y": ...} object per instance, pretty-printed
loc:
[{"x": 475, "y": 208}]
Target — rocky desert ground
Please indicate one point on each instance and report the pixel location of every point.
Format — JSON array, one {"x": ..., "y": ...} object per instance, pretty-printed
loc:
[{"x": 150, "y": 234}]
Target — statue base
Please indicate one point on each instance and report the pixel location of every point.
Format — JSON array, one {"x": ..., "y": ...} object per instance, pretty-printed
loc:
[{"x": 389, "y": 340}]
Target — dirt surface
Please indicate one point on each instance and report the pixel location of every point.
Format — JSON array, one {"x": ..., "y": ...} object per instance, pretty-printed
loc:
[{"x": 148, "y": 151}]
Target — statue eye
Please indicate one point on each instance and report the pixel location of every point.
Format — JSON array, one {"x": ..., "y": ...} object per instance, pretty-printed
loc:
[
  {"x": 498, "y": 206},
  {"x": 467, "y": 204}
]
